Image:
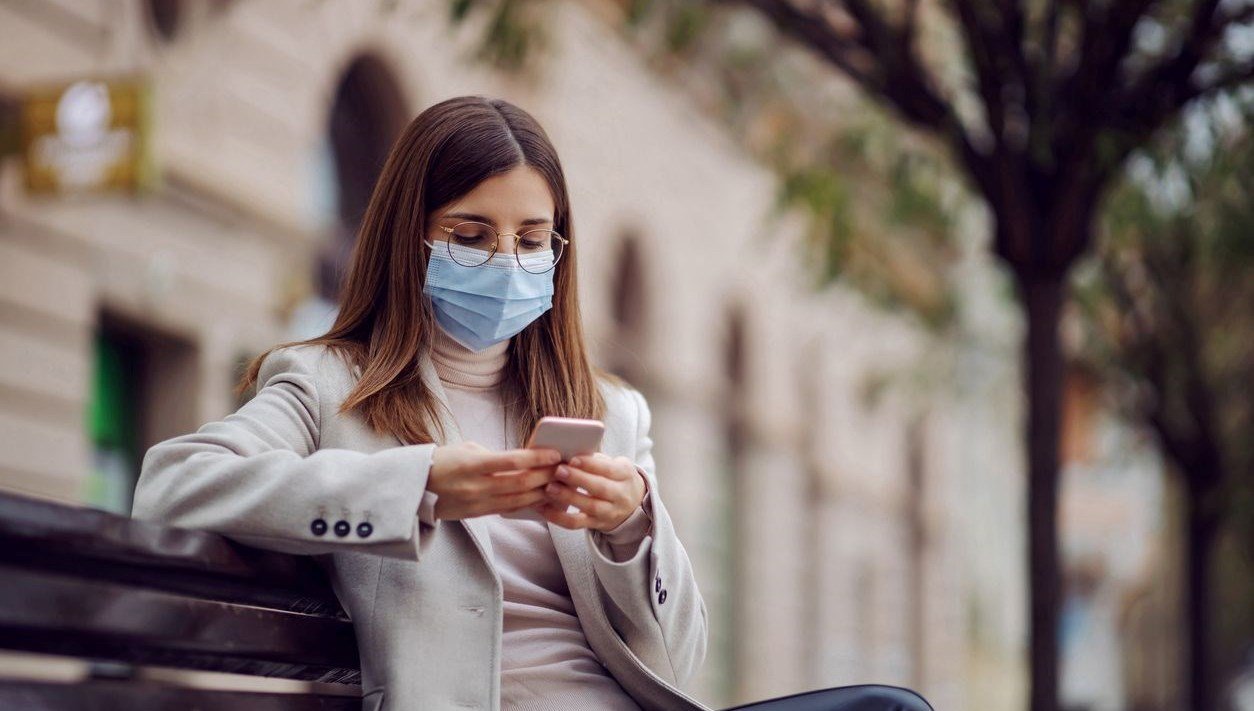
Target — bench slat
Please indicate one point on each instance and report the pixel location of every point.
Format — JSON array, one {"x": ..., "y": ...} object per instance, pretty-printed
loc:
[
  {"x": 138, "y": 695},
  {"x": 86, "y": 542},
  {"x": 55, "y": 613}
]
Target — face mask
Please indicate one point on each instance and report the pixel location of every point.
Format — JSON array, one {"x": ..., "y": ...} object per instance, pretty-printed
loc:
[{"x": 483, "y": 305}]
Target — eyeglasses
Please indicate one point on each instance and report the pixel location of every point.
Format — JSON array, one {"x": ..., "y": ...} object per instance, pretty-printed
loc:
[{"x": 536, "y": 251}]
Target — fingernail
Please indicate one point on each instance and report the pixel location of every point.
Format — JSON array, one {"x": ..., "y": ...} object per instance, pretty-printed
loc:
[
  {"x": 562, "y": 472},
  {"x": 551, "y": 488},
  {"x": 574, "y": 462}
]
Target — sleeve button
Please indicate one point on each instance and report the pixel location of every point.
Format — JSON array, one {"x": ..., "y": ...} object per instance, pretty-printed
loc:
[
  {"x": 657, "y": 585},
  {"x": 661, "y": 597},
  {"x": 318, "y": 526},
  {"x": 364, "y": 529},
  {"x": 342, "y": 528}
]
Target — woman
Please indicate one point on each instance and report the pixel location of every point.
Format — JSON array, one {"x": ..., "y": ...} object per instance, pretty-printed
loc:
[
  {"x": 478, "y": 574},
  {"x": 457, "y": 331}
]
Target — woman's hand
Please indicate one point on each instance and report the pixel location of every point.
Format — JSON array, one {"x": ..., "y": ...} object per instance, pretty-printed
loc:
[
  {"x": 471, "y": 480},
  {"x": 615, "y": 490}
]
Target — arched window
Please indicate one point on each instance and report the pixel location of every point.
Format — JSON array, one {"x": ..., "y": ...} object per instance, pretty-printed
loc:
[
  {"x": 814, "y": 528},
  {"x": 628, "y": 314},
  {"x": 916, "y": 521},
  {"x": 729, "y": 647},
  {"x": 166, "y": 17},
  {"x": 366, "y": 116}
]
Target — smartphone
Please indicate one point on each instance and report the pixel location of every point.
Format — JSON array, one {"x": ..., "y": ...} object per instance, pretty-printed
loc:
[{"x": 570, "y": 436}]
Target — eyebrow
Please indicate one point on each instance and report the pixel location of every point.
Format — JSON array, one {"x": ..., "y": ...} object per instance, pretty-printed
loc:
[{"x": 490, "y": 221}]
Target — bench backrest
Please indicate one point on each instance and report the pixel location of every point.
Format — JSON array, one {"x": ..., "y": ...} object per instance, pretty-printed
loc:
[{"x": 91, "y": 584}]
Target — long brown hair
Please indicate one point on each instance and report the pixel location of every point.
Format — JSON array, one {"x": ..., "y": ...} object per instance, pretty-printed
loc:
[{"x": 385, "y": 322}]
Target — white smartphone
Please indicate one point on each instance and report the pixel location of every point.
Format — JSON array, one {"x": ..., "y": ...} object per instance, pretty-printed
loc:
[{"x": 569, "y": 435}]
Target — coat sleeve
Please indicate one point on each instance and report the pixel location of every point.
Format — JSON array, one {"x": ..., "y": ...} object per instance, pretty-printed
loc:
[
  {"x": 259, "y": 477},
  {"x": 652, "y": 597}
]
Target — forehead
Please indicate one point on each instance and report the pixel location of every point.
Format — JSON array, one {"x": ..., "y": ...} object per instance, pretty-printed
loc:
[{"x": 518, "y": 196}]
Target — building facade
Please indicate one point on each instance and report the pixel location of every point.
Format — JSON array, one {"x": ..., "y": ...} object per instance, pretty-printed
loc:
[{"x": 851, "y": 520}]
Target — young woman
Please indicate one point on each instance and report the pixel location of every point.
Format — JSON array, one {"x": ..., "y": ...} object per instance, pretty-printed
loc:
[
  {"x": 390, "y": 449},
  {"x": 478, "y": 574}
]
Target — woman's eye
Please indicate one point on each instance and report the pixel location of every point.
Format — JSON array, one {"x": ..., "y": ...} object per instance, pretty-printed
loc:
[{"x": 530, "y": 244}]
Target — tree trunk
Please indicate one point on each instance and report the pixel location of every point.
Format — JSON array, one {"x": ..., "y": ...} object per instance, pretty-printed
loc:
[
  {"x": 1043, "y": 366},
  {"x": 1200, "y": 543}
]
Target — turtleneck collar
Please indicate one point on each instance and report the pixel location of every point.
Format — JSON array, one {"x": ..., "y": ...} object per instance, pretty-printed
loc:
[{"x": 459, "y": 366}]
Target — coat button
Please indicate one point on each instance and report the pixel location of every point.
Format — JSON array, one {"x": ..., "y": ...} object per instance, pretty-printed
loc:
[
  {"x": 657, "y": 585},
  {"x": 364, "y": 529},
  {"x": 318, "y": 526},
  {"x": 342, "y": 528},
  {"x": 661, "y": 597}
]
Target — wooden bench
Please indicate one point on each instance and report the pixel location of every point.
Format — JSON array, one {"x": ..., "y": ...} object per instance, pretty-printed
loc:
[{"x": 88, "y": 584}]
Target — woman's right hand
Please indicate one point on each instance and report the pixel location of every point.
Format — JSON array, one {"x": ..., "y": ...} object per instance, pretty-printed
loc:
[{"x": 470, "y": 480}]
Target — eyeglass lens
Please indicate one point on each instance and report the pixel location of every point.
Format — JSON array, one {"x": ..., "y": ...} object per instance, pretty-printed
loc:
[{"x": 538, "y": 249}]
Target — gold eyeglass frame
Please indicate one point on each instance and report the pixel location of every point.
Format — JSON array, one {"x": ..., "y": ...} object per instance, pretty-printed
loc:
[{"x": 496, "y": 244}]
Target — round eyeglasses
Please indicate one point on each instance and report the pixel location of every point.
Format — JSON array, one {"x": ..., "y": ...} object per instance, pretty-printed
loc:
[{"x": 472, "y": 244}]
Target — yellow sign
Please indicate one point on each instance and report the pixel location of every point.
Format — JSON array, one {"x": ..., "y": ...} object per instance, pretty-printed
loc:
[{"x": 86, "y": 136}]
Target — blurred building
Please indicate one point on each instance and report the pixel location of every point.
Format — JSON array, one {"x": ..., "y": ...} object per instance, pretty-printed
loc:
[{"x": 849, "y": 489}]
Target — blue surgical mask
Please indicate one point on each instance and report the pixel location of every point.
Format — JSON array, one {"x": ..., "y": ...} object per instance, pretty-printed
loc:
[{"x": 487, "y": 304}]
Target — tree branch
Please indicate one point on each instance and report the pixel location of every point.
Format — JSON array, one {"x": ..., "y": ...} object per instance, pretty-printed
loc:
[
  {"x": 1013, "y": 37},
  {"x": 979, "y": 39},
  {"x": 909, "y": 21},
  {"x": 888, "y": 70},
  {"x": 1082, "y": 97},
  {"x": 817, "y": 34},
  {"x": 1161, "y": 91},
  {"x": 1172, "y": 75}
]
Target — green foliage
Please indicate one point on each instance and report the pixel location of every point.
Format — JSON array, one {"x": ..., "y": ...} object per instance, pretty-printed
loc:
[
  {"x": 459, "y": 10},
  {"x": 825, "y": 195},
  {"x": 877, "y": 220},
  {"x": 685, "y": 25},
  {"x": 1167, "y": 306},
  {"x": 912, "y": 181},
  {"x": 637, "y": 11},
  {"x": 514, "y": 31}
]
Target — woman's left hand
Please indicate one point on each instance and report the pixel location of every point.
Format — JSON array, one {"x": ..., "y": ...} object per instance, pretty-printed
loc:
[{"x": 615, "y": 490}]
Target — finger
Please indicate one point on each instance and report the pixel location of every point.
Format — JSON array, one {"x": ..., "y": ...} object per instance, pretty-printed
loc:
[
  {"x": 514, "y": 482},
  {"x": 533, "y": 505},
  {"x": 515, "y": 502},
  {"x": 557, "y": 514},
  {"x": 506, "y": 473},
  {"x": 613, "y": 468},
  {"x": 595, "y": 484},
  {"x": 512, "y": 459},
  {"x": 563, "y": 494},
  {"x": 495, "y": 504}
]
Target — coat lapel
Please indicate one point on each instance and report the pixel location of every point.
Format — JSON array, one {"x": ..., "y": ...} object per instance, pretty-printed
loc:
[{"x": 572, "y": 551}]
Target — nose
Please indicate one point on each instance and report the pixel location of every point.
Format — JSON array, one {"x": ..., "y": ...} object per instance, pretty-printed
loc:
[{"x": 507, "y": 242}]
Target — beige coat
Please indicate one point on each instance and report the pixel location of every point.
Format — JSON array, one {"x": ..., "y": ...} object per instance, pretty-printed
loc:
[{"x": 425, "y": 600}]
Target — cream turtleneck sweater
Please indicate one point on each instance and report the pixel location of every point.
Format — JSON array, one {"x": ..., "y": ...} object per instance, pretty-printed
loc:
[{"x": 546, "y": 663}]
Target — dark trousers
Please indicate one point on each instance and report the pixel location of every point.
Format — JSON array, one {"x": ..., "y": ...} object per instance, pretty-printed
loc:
[{"x": 862, "y": 697}]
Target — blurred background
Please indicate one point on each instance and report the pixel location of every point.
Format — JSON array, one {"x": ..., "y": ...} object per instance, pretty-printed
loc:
[{"x": 945, "y": 311}]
